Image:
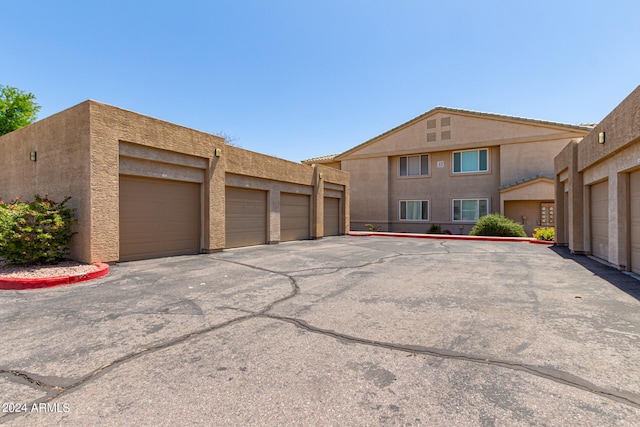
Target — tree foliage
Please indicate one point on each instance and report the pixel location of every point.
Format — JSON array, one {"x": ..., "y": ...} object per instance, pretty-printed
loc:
[{"x": 17, "y": 109}]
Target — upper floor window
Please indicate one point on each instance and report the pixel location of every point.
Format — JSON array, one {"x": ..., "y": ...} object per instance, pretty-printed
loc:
[
  {"x": 471, "y": 161},
  {"x": 414, "y": 165}
]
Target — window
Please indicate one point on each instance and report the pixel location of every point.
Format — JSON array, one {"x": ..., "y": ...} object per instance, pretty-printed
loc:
[
  {"x": 414, "y": 165},
  {"x": 414, "y": 210},
  {"x": 471, "y": 161},
  {"x": 470, "y": 209}
]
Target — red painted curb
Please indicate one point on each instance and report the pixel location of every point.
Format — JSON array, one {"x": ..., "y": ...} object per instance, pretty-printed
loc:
[
  {"x": 18, "y": 284},
  {"x": 452, "y": 237}
]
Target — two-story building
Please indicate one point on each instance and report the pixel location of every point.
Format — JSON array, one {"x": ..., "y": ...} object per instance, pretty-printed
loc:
[{"x": 449, "y": 167}]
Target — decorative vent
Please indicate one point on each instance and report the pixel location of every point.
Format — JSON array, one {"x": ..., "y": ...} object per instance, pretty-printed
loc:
[
  {"x": 431, "y": 124},
  {"x": 445, "y": 121},
  {"x": 431, "y": 137},
  {"x": 446, "y": 135}
]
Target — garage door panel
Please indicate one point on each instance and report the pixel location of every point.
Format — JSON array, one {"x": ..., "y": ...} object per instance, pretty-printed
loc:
[
  {"x": 158, "y": 218},
  {"x": 245, "y": 217},
  {"x": 634, "y": 211},
  {"x": 600, "y": 220},
  {"x": 331, "y": 216},
  {"x": 295, "y": 217}
]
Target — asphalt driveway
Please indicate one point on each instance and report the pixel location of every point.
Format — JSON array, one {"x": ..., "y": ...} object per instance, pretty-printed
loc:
[{"x": 339, "y": 331}]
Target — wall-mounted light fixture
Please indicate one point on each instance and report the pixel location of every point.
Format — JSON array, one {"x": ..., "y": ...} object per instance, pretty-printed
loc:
[
  {"x": 320, "y": 175},
  {"x": 601, "y": 138},
  {"x": 33, "y": 156},
  {"x": 218, "y": 152}
]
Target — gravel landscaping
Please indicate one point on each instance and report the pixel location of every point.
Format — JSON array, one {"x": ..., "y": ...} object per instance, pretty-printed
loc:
[{"x": 65, "y": 268}]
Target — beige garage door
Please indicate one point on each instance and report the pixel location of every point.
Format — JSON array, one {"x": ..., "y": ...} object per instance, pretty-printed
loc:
[
  {"x": 158, "y": 218},
  {"x": 634, "y": 212},
  {"x": 246, "y": 217},
  {"x": 600, "y": 220},
  {"x": 295, "y": 213},
  {"x": 331, "y": 216}
]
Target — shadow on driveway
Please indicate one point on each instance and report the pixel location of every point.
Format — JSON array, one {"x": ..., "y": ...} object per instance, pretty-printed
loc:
[{"x": 617, "y": 278}]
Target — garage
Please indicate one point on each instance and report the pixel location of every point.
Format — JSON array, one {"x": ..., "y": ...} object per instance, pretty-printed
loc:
[
  {"x": 158, "y": 218},
  {"x": 295, "y": 217},
  {"x": 634, "y": 218},
  {"x": 331, "y": 216},
  {"x": 600, "y": 220},
  {"x": 245, "y": 217}
]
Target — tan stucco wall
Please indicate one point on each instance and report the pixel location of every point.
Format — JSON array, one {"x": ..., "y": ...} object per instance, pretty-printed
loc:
[
  {"x": 539, "y": 189},
  {"x": 62, "y": 168},
  {"x": 529, "y": 159},
  {"x": 621, "y": 128},
  {"x": 82, "y": 151},
  {"x": 525, "y": 212},
  {"x": 369, "y": 192},
  {"x": 277, "y": 175},
  {"x": 569, "y": 199},
  {"x": 465, "y": 131},
  {"x": 520, "y": 149},
  {"x": 580, "y": 166},
  {"x": 109, "y": 127}
]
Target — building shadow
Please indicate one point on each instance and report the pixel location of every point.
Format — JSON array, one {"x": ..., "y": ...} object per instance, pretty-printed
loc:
[{"x": 617, "y": 278}]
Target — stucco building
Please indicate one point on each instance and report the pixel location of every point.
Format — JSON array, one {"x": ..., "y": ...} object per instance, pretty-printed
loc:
[
  {"x": 598, "y": 189},
  {"x": 147, "y": 188},
  {"x": 451, "y": 166}
]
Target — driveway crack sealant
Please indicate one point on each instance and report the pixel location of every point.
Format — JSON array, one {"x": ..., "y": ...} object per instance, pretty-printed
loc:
[{"x": 54, "y": 392}]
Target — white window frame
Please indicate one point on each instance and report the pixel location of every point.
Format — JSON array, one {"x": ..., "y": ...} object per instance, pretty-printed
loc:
[
  {"x": 421, "y": 204},
  {"x": 478, "y": 170},
  {"x": 479, "y": 214},
  {"x": 420, "y": 174}
]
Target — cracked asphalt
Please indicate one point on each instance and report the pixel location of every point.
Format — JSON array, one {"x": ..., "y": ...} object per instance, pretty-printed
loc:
[{"x": 338, "y": 331}]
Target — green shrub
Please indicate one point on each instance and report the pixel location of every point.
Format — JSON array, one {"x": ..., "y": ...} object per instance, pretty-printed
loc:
[
  {"x": 35, "y": 232},
  {"x": 435, "y": 229},
  {"x": 544, "y": 233},
  {"x": 497, "y": 225},
  {"x": 372, "y": 227}
]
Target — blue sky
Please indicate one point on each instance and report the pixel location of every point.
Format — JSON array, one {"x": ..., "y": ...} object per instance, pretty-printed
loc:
[{"x": 299, "y": 79}]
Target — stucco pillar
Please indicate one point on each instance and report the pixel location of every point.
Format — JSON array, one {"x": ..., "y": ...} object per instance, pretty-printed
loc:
[
  {"x": 560, "y": 225},
  {"x": 274, "y": 216},
  {"x": 318, "y": 204},
  {"x": 621, "y": 205}
]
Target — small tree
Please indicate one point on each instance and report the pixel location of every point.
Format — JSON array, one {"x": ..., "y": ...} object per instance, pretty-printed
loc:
[{"x": 17, "y": 109}]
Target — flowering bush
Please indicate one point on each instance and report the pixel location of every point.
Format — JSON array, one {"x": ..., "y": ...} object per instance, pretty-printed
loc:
[
  {"x": 35, "y": 232},
  {"x": 544, "y": 233}
]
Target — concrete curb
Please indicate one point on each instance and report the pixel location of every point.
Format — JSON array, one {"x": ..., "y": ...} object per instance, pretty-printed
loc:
[
  {"x": 452, "y": 237},
  {"x": 18, "y": 284}
]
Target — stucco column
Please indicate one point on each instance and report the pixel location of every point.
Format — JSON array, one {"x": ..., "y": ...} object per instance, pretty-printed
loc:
[
  {"x": 274, "y": 216},
  {"x": 318, "y": 204},
  {"x": 560, "y": 226}
]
